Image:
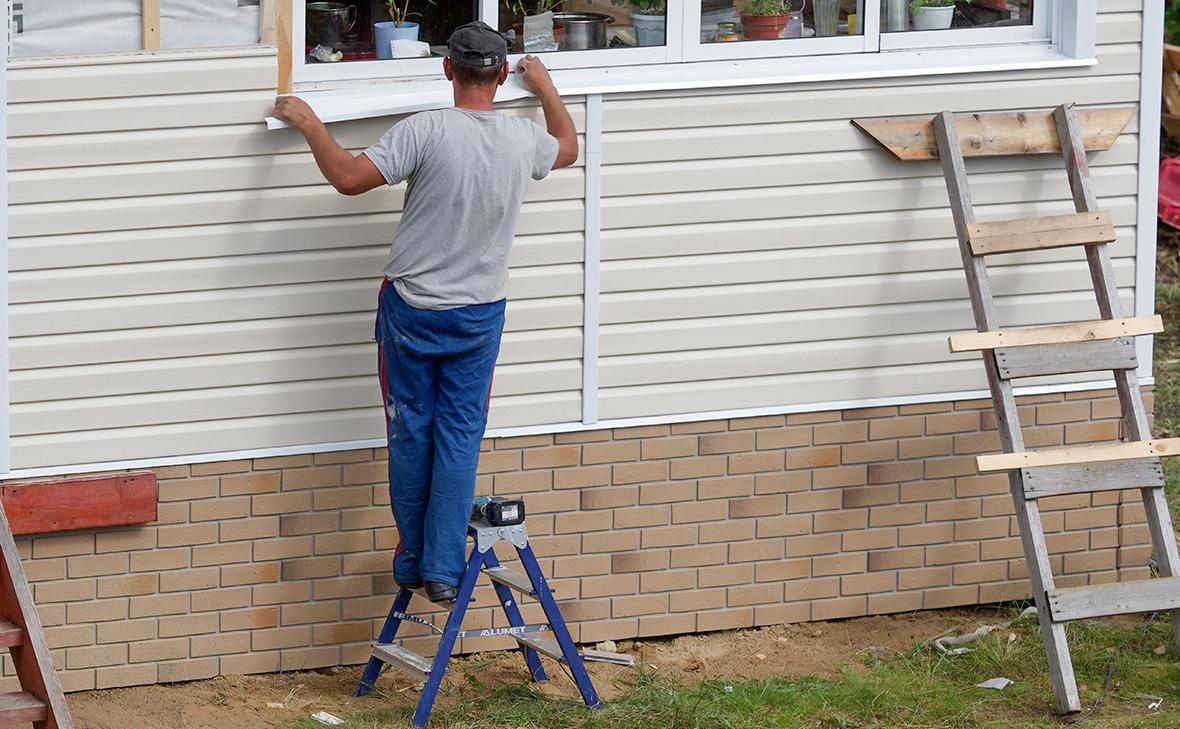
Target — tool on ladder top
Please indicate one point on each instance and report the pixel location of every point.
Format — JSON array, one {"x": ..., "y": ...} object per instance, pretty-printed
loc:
[
  {"x": 41, "y": 701},
  {"x": 1008, "y": 354},
  {"x": 492, "y": 521}
]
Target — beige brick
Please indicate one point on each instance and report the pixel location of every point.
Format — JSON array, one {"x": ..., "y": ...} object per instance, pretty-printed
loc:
[
  {"x": 553, "y": 457},
  {"x": 189, "y": 670},
  {"x": 312, "y": 478},
  {"x": 97, "y": 611},
  {"x": 631, "y": 606},
  {"x": 977, "y": 573},
  {"x": 126, "y": 585},
  {"x": 810, "y": 501},
  {"x": 810, "y": 545},
  {"x": 725, "y": 619},
  {"x": 761, "y": 421},
  {"x": 894, "y": 559},
  {"x": 950, "y": 597},
  {"x": 249, "y": 483},
  {"x": 216, "y": 554},
  {"x": 839, "y": 477},
  {"x": 64, "y": 546},
  {"x": 894, "y": 428},
  {"x": 186, "y": 535},
  {"x": 772, "y": 505},
  {"x": 613, "y": 452},
  {"x": 251, "y": 663},
  {"x": 868, "y": 452},
  {"x": 616, "y": 584},
  {"x": 250, "y": 574},
  {"x": 655, "y": 625},
  {"x": 923, "y": 578},
  {"x": 1065, "y": 412},
  {"x": 608, "y": 498},
  {"x": 845, "y": 607},
  {"x": 124, "y": 540},
  {"x": 781, "y": 483},
  {"x": 71, "y": 591},
  {"x": 189, "y": 580},
  {"x": 127, "y": 631},
  {"x": 154, "y": 605},
  {"x": 928, "y": 490},
  {"x": 158, "y": 650},
  {"x": 760, "y": 462},
  {"x": 841, "y": 521},
  {"x": 861, "y": 584},
  {"x": 959, "y": 509},
  {"x": 925, "y": 448},
  {"x": 642, "y": 516},
  {"x": 342, "y": 633},
  {"x": 345, "y": 497},
  {"x": 879, "y": 473},
  {"x": 756, "y": 551},
  {"x": 356, "y": 586},
  {"x": 282, "y": 548},
  {"x": 859, "y": 541},
  {"x": 675, "y": 536},
  {"x": 842, "y": 564},
  {"x": 762, "y": 594},
  {"x": 726, "y": 443},
  {"x": 869, "y": 496},
  {"x": 223, "y": 599},
  {"x": 305, "y": 659},
  {"x": 696, "y": 601},
  {"x": 818, "y": 457},
  {"x": 583, "y": 566},
  {"x": 119, "y": 676},
  {"x": 709, "y": 554},
  {"x": 699, "y": 511},
  {"x": 700, "y": 467},
  {"x": 45, "y": 569},
  {"x": 738, "y": 574},
  {"x": 640, "y": 561},
  {"x": 187, "y": 489},
  {"x": 784, "y": 526},
  {"x": 524, "y": 441},
  {"x": 665, "y": 493},
  {"x": 668, "y": 448},
  {"x": 220, "y": 644},
  {"x": 281, "y": 462},
  {"x": 181, "y": 625},
  {"x": 782, "y": 570},
  {"x": 362, "y": 473},
  {"x": 902, "y": 602},
  {"x": 725, "y": 531},
  {"x": 813, "y": 589},
  {"x": 940, "y": 554},
  {"x": 610, "y": 541},
  {"x": 846, "y": 432},
  {"x": 207, "y": 469},
  {"x": 581, "y": 522},
  {"x": 897, "y": 515},
  {"x": 523, "y": 482},
  {"x": 281, "y": 503},
  {"x": 643, "y": 431},
  {"x": 161, "y": 559},
  {"x": 810, "y": 418},
  {"x": 960, "y": 422},
  {"x": 724, "y": 488},
  {"x": 583, "y": 477},
  {"x": 783, "y": 438},
  {"x": 667, "y": 581}
]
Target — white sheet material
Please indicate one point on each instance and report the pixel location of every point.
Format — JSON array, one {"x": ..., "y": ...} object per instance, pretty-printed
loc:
[{"x": 57, "y": 27}]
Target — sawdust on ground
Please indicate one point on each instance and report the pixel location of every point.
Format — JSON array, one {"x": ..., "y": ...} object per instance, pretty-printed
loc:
[{"x": 240, "y": 702}]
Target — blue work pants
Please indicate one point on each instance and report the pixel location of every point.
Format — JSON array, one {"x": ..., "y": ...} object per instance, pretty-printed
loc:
[{"x": 436, "y": 375}]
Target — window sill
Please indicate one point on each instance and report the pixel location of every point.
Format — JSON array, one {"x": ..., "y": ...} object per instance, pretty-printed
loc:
[{"x": 404, "y": 97}]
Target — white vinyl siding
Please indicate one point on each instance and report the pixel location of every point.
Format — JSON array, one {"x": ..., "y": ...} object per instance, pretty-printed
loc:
[{"x": 183, "y": 283}]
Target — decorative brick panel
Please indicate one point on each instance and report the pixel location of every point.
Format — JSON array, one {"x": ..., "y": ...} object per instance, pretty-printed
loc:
[{"x": 283, "y": 563}]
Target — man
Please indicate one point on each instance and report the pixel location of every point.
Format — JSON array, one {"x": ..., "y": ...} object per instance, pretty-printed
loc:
[{"x": 441, "y": 306}]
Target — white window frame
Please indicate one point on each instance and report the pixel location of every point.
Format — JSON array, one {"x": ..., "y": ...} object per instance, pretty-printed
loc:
[
  {"x": 1040, "y": 31},
  {"x": 695, "y": 50},
  {"x": 307, "y": 75}
]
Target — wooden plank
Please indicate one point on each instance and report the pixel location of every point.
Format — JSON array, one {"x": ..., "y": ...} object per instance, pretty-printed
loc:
[
  {"x": 1087, "y": 331},
  {"x": 55, "y": 506},
  {"x": 150, "y": 22},
  {"x": 283, "y": 18},
  {"x": 32, "y": 661},
  {"x": 1038, "y": 233},
  {"x": 21, "y": 707},
  {"x": 10, "y": 634},
  {"x": 911, "y": 138},
  {"x": 1028, "y": 513},
  {"x": 267, "y": 28},
  {"x": 1120, "y": 598},
  {"x": 996, "y": 462},
  {"x": 1063, "y": 359},
  {"x": 1084, "y": 478}
]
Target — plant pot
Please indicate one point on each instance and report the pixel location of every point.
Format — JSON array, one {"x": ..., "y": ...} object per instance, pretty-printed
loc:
[
  {"x": 764, "y": 27},
  {"x": 933, "y": 18},
  {"x": 649, "y": 29},
  {"x": 388, "y": 31}
]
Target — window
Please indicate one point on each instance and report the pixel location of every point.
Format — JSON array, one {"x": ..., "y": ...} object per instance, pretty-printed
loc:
[
  {"x": 82, "y": 27},
  {"x": 605, "y": 34}
]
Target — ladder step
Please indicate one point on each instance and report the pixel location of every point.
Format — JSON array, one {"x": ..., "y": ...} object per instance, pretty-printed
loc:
[
  {"x": 541, "y": 644},
  {"x": 1031, "y": 234},
  {"x": 21, "y": 707},
  {"x": 1078, "y": 454},
  {"x": 1086, "y": 331},
  {"x": 1083, "y": 478},
  {"x": 10, "y": 635},
  {"x": 1064, "y": 359},
  {"x": 403, "y": 659},
  {"x": 1076, "y": 603},
  {"x": 511, "y": 578}
]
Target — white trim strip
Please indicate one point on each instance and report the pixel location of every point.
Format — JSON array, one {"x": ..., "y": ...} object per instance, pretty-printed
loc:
[
  {"x": 388, "y": 99},
  {"x": 592, "y": 263},
  {"x": 5, "y": 399},
  {"x": 559, "y": 428},
  {"x": 1150, "y": 83}
]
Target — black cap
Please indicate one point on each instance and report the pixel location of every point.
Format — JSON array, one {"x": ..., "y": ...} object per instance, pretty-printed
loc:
[{"x": 478, "y": 44}]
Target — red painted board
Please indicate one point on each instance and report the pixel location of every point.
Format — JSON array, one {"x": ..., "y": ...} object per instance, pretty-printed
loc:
[{"x": 84, "y": 503}]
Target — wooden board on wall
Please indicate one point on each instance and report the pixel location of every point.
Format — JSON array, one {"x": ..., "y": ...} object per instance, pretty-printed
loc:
[{"x": 88, "y": 503}]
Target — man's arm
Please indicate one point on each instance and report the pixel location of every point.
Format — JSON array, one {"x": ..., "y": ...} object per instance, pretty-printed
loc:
[
  {"x": 350, "y": 175},
  {"x": 535, "y": 77}
]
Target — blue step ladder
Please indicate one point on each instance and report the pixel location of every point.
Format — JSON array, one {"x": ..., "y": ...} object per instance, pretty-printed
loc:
[{"x": 506, "y": 582}]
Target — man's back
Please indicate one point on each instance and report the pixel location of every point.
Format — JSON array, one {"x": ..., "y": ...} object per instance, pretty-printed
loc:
[{"x": 468, "y": 172}]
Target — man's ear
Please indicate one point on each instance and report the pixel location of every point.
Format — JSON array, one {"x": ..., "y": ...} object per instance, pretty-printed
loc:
[
  {"x": 503, "y": 75},
  {"x": 448, "y": 69}
]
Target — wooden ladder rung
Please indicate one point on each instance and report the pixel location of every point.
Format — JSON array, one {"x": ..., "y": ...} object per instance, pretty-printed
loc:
[
  {"x": 20, "y": 708},
  {"x": 1031, "y": 234},
  {"x": 1078, "y": 454},
  {"x": 1077, "y": 603},
  {"x": 1084, "y": 478},
  {"x": 1079, "y": 332},
  {"x": 10, "y": 635},
  {"x": 1064, "y": 359}
]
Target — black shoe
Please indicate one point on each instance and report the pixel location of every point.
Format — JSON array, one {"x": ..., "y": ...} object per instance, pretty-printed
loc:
[
  {"x": 408, "y": 585},
  {"x": 441, "y": 592}
]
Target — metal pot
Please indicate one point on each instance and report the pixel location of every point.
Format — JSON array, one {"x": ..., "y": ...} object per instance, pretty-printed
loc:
[
  {"x": 328, "y": 22},
  {"x": 583, "y": 31}
]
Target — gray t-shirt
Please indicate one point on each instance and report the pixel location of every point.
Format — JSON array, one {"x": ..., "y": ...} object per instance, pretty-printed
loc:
[{"x": 468, "y": 171}]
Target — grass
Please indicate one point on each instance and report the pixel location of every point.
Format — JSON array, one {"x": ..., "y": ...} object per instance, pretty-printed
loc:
[{"x": 922, "y": 688}]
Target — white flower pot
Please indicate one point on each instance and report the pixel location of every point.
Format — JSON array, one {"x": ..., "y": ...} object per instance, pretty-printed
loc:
[
  {"x": 649, "y": 29},
  {"x": 934, "y": 18}
]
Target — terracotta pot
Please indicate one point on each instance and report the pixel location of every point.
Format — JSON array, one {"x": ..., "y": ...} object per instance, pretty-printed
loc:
[{"x": 764, "y": 27}]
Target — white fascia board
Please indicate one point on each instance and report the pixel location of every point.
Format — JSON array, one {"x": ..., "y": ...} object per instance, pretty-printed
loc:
[
  {"x": 404, "y": 97},
  {"x": 552, "y": 428}
]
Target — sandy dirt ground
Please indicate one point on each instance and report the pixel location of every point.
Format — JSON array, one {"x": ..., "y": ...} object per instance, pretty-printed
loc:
[{"x": 240, "y": 702}]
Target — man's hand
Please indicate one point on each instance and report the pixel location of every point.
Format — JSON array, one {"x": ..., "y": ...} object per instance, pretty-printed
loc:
[
  {"x": 295, "y": 111},
  {"x": 534, "y": 76}
]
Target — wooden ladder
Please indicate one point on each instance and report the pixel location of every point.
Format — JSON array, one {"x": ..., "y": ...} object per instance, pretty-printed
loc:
[
  {"x": 1009, "y": 354},
  {"x": 41, "y": 700}
]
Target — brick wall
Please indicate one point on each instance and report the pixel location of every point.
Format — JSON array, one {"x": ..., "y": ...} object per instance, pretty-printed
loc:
[{"x": 283, "y": 563}]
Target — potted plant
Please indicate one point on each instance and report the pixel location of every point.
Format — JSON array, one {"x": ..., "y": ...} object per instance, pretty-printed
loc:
[
  {"x": 398, "y": 28},
  {"x": 764, "y": 19},
  {"x": 649, "y": 18},
  {"x": 520, "y": 9},
  {"x": 932, "y": 14}
]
